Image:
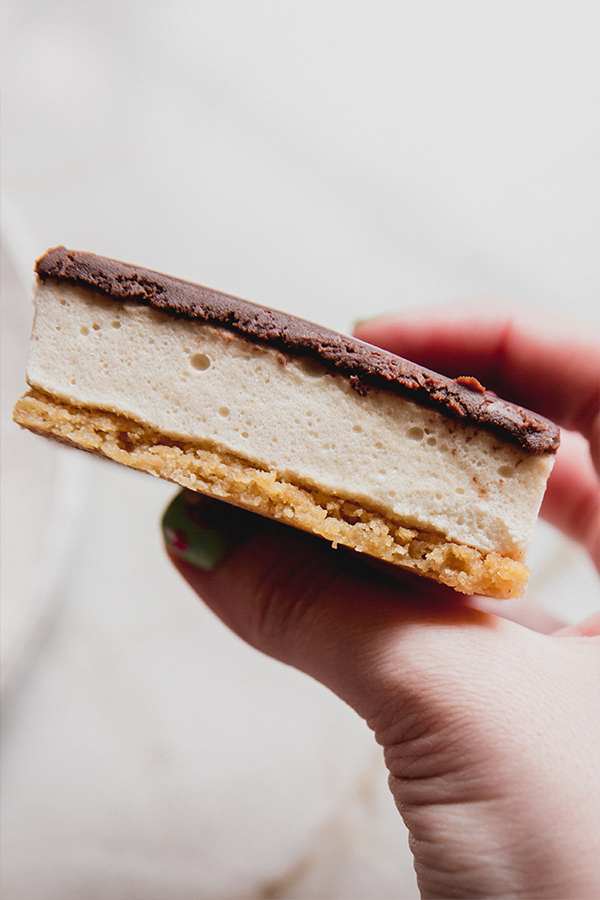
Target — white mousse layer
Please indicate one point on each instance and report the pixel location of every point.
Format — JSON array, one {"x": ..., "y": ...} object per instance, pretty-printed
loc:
[{"x": 198, "y": 382}]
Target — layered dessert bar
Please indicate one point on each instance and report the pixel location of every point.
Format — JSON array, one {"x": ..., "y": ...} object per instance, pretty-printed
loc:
[{"x": 293, "y": 421}]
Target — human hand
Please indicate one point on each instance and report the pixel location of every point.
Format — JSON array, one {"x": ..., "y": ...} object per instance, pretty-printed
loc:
[{"x": 490, "y": 730}]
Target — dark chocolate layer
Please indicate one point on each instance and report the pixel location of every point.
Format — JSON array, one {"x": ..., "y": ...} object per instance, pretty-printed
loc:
[{"x": 362, "y": 364}]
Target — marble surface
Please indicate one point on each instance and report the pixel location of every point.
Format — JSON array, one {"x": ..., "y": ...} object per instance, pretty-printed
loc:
[{"x": 333, "y": 159}]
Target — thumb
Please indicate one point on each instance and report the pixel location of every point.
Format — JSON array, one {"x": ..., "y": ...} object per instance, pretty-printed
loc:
[
  {"x": 329, "y": 613},
  {"x": 460, "y": 700}
]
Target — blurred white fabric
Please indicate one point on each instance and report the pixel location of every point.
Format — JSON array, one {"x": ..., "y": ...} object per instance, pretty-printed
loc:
[{"x": 332, "y": 158}]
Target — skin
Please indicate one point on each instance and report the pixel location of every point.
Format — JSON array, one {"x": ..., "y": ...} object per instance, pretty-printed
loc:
[{"x": 490, "y": 728}]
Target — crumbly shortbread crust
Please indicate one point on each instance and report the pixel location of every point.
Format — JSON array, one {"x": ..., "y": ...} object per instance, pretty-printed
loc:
[{"x": 230, "y": 477}]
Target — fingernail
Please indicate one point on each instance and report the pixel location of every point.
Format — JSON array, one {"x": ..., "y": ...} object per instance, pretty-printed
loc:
[
  {"x": 197, "y": 530},
  {"x": 359, "y": 322}
]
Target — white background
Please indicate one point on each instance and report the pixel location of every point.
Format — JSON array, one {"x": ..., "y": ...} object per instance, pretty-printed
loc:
[{"x": 332, "y": 159}]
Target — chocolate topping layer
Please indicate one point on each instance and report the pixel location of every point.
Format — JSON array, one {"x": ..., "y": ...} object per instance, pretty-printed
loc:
[{"x": 362, "y": 364}]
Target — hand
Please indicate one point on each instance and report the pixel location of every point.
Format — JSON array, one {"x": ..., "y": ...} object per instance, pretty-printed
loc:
[{"x": 490, "y": 730}]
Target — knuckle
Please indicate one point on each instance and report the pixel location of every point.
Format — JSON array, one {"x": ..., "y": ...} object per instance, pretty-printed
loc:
[{"x": 286, "y": 600}]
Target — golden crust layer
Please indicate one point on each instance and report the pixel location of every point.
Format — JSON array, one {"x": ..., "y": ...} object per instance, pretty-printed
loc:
[{"x": 231, "y": 478}]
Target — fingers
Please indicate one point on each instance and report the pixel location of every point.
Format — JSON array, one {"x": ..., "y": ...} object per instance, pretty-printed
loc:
[
  {"x": 572, "y": 499},
  {"x": 292, "y": 596},
  {"x": 540, "y": 361},
  {"x": 524, "y": 611},
  {"x": 589, "y": 628}
]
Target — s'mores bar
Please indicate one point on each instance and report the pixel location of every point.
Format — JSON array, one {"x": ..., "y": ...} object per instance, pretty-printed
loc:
[{"x": 293, "y": 421}]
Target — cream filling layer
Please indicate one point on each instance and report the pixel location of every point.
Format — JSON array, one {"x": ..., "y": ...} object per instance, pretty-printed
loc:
[{"x": 203, "y": 383}]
